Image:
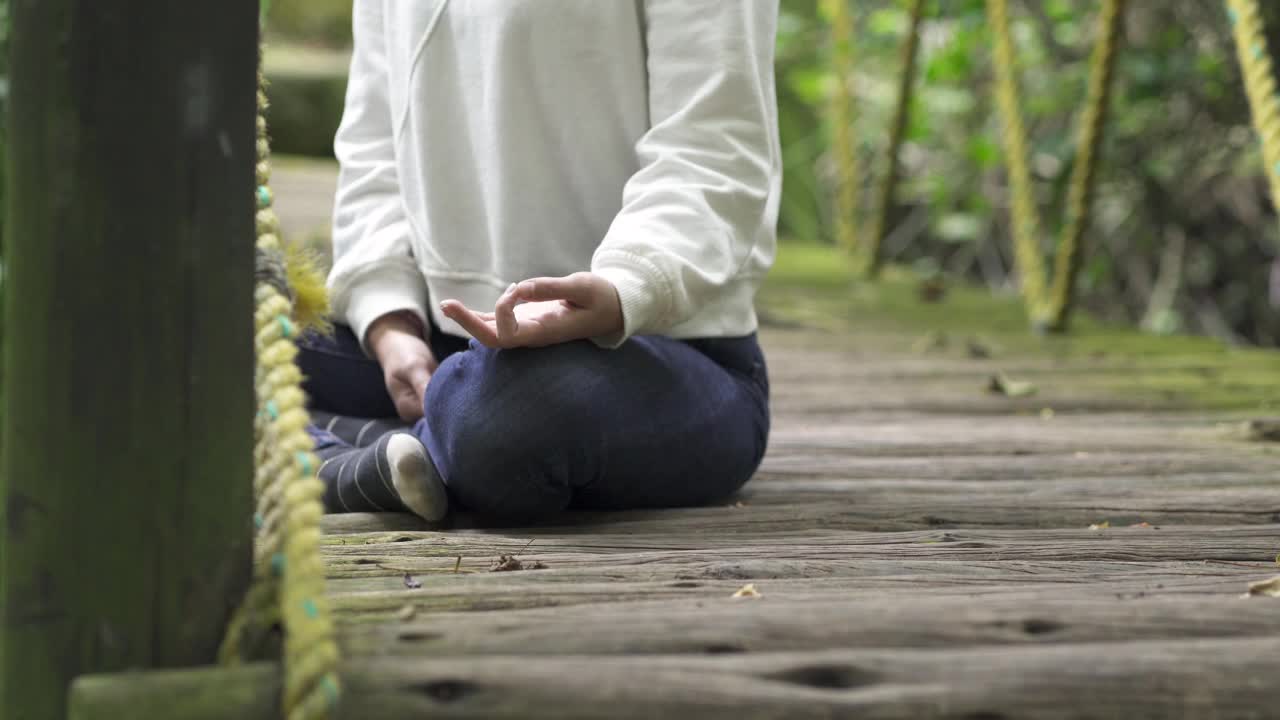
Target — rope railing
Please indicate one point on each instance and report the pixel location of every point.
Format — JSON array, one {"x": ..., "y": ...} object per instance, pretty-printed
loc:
[
  {"x": 1050, "y": 306},
  {"x": 1023, "y": 209},
  {"x": 887, "y": 197},
  {"x": 1258, "y": 69},
  {"x": 843, "y": 143},
  {"x": 288, "y": 584},
  {"x": 1070, "y": 254}
]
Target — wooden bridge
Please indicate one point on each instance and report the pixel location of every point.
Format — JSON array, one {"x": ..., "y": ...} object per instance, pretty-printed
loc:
[
  {"x": 955, "y": 519},
  {"x": 915, "y": 546},
  {"x": 918, "y": 544}
]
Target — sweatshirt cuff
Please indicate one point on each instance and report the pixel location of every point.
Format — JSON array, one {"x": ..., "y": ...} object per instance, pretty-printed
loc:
[
  {"x": 383, "y": 291},
  {"x": 645, "y": 295}
]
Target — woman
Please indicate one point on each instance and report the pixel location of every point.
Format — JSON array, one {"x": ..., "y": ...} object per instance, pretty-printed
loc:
[{"x": 586, "y": 188}]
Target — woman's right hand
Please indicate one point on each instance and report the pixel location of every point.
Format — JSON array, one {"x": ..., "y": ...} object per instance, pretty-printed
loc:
[{"x": 407, "y": 363}]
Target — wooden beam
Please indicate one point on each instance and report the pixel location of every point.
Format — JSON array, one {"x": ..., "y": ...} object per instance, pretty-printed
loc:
[
  {"x": 1150, "y": 679},
  {"x": 128, "y": 363},
  {"x": 251, "y": 692}
]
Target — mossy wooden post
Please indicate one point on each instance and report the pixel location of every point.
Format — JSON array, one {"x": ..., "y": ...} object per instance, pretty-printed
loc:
[{"x": 128, "y": 378}]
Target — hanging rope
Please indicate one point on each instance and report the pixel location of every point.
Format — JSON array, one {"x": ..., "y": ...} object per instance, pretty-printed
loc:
[
  {"x": 1084, "y": 176},
  {"x": 1260, "y": 82},
  {"x": 1050, "y": 308},
  {"x": 843, "y": 144},
  {"x": 901, "y": 116},
  {"x": 288, "y": 587},
  {"x": 1026, "y": 218}
]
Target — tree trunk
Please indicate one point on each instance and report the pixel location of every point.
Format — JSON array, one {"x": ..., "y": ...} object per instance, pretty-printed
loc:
[{"x": 126, "y": 473}]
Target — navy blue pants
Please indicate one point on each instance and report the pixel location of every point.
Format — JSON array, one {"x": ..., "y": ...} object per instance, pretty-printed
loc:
[{"x": 523, "y": 434}]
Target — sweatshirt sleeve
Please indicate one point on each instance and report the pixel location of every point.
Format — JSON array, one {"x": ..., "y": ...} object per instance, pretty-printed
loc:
[
  {"x": 374, "y": 272},
  {"x": 700, "y": 213}
]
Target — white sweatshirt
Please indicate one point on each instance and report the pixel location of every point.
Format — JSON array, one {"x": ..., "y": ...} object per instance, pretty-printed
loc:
[{"x": 486, "y": 142}]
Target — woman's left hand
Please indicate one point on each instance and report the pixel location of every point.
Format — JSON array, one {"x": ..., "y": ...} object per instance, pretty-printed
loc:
[{"x": 544, "y": 311}]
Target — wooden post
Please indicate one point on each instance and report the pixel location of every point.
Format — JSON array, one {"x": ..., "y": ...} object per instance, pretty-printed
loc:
[{"x": 126, "y": 471}]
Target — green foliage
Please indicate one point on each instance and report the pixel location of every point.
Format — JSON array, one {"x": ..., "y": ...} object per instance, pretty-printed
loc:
[
  {"x": 323, "y": 22},
  {"x": 1182, "y": 203}
]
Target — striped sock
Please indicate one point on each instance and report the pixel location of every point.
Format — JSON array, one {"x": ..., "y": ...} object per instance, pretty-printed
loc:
[
  {"x": 354, "y": 431},
  {"x": 394, "y": 474}
]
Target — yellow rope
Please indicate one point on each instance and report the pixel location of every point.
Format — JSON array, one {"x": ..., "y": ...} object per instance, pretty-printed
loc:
[
  {"x": 1026, "y": 218},
  {"x": 1066, "y": 266},
  {"x": 902, "y": 114},
  {"x": 1260, "y": 82},
  {"x": 1050, "y": 308},
  {"x": 843, "y": 144},
  {"x": 288, "y": 571}
]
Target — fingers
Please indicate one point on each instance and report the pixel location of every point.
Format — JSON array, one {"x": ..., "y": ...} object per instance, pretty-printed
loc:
[
  {"x": 579, "y": 289},
  {"x": 485, "y": 332},
  {"x": 408, "y": 408},
  {"x": 505, "y": 315},
  {"x": 419, "y": 378}
]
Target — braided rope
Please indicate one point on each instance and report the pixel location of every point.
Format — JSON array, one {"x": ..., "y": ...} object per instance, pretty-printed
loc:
[
  {"x": 902, "y": 114},
  {"x": 288, "y": 583},
  {"x": 1070, "y": 255},
  {"x": 1026, "y": 218},
  {"x": 1260, "y": 82},
  {"x": 843, "y": 144},
  {"x": 1050, "y": 308}
]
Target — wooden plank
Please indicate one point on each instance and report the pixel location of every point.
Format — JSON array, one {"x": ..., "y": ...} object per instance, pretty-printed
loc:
[
  {"x": 1167, "y": 543},
  {"x": 384, "y": 598},
  {"x": 785, "y": 462},
  {"x": 890, "y": 507},
  {"x": 1159, "y": 679},
  {"x": 128, "y": 357},
  {"x": 1221, "y": 678},
  {"x": 673, "y": 551},
  {"x": 713, "y": 625}
]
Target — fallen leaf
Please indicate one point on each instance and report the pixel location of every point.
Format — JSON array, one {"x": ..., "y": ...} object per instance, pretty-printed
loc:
[
  {"x": 1266, "y": 588},
  {"x": 1264, "y": 430},
  {"x": 512, "y": 563},
  {"x": 1100, "y": 526},
  {"x": 932, "y": 290},
  {"x": 976, "y": 349},
  {"x": 1002, "y": 385},
  {"x": 1046, "y": 413},
  {"x": 748, "y": 591},
  {"x": 407, "y": 612},
  {"x": 412, "y": 582},
  {"x": 1144, "y": 525}
]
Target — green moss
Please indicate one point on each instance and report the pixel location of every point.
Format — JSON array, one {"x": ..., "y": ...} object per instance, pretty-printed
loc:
[{"x": 816, "y": 285}]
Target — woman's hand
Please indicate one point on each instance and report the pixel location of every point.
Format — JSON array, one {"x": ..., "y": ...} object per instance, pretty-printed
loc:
[
  {"x": 406, "y": 360},
  {"x": 544, "y": 311}
]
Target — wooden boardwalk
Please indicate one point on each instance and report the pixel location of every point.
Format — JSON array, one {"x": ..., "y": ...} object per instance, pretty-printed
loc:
[
  {"x": 918, "y": 546},
  {"x": 920, "y": 549}
]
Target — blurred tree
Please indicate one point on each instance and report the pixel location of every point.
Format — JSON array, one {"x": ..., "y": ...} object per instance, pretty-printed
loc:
[{"x": 1184, "y": 232}]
